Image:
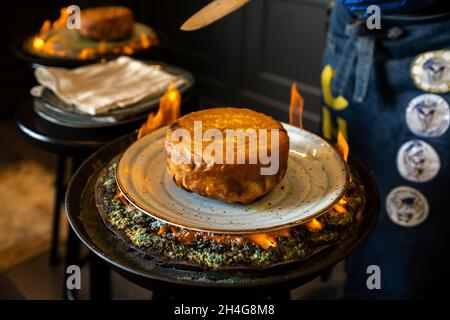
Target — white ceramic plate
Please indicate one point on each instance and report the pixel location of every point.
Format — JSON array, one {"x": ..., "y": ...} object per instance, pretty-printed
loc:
[{"x": 316, "y": 178}]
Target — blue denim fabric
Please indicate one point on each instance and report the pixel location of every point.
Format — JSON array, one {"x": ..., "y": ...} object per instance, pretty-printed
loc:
[
  {"x": 387, "y": 6},
  {"x": 373, "y": 74}
]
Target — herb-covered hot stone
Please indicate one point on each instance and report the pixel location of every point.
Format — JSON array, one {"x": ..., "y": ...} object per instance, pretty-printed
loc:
[{"x": 178, "y": 246}]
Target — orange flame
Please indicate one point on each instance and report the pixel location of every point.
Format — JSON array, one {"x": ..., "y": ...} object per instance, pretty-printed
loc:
[
  {"x": 145, "y": 41},
  {"x": 62, "y": 20},
  {"x": 39, "y": 40},
  {"x": 314, "y": 225},
  {"x": 168, "y": 112},
  {"x": 263, "y": 240},
  {"x": 267, "y": 240},
  {"x": 161, "y": 230},
  {"x": 339, "y": 208},
  {"x": 86, "y": 53},
  {"x": 296, "y": 107},
  {"x": 128, "y": 50},
  {"x": 120, "y": 196},
  {"x": 101, "y": 48},
  {"x": 45, "y": 42},
  {"x": 342, "y": 146},
  {"x": 38, "y": 43},
  {"x": 45, "y": 27}
]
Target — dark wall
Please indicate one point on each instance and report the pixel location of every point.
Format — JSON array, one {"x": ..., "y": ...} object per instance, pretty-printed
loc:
[
  {"x": 250, "y": 58},
  {"x": 16, "y": 21}
]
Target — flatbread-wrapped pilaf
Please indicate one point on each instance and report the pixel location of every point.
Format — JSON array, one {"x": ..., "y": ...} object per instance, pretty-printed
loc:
[
  {"x": 230, "y": 182},
  {"x": 112, "y": 23},
  {"x": 206, "y": 250}
]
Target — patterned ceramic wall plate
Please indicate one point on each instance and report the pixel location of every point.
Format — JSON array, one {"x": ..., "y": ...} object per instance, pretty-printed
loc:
[
  {"x": 428, "y": 116},
  {"x": 430, "y": 71},
  {"x": 407, "y": 206}
]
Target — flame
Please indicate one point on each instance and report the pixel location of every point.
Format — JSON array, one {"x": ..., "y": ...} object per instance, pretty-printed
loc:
[
  {"x": 62, "y": 20},
  {"x": 314, "y": 225},
  {"x": 169, "y": 111},
  {"x": 296, "y": 107},
  {"x": 38, "y": 43},
  {"x": 46, "y": 41},
  {"x": 268, "y": 240},
  {"x": 101, "y": 48},
  {"x": 161, "y": 230},
  {"x": 128, "y": 50},
  {"x": 39, "y": 39},
  {"x": 86, "y": 53},
  {"x": 263, "y": 240},
  {"x": 45, "y": 27},
  {"x": 339, "y": 208},
  {"x": 342, "y": 146},
  {"x": 122, "y": 199},
  {"x": 145, "y": 41},
  {"x": 296, "y": 118}
]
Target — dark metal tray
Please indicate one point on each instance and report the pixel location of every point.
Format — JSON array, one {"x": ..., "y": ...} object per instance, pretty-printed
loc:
[
  {"x": 150, "y": 273},
  {"x": 52, "y": 109},
  {"x": 17, "y": 48}
]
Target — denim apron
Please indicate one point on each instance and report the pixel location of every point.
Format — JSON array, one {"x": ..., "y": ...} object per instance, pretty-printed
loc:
[{"x": 376, "y": 91}]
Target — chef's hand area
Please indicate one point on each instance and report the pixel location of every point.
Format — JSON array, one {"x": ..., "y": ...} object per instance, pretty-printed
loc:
[{"x": 224, "y": 158}]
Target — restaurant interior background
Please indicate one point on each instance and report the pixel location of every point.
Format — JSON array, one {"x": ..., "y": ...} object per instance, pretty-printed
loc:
[{"x": 241, "y": 60}]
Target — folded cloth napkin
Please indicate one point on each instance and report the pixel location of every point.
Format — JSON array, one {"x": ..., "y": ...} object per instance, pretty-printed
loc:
[{"x": 98, "y": 88}]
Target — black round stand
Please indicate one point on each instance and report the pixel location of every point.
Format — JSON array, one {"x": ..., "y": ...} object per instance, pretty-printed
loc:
[{"x": 169, "y": 280}]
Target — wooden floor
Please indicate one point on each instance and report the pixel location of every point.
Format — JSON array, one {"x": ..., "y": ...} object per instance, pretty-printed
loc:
[{"x": 35, "y": 279}]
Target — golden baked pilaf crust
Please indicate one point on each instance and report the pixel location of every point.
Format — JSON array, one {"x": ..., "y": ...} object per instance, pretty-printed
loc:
[
  {"x": 242, "y": 183},
  {"x": 107, "y": 23}
]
